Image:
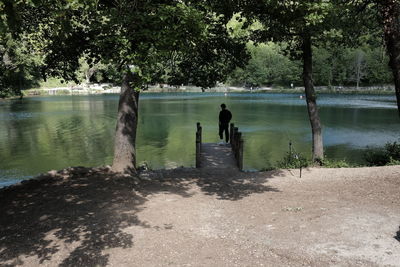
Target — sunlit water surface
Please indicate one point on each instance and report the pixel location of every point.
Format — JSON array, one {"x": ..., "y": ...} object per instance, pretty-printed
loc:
[{"x": 43, "y": 133}]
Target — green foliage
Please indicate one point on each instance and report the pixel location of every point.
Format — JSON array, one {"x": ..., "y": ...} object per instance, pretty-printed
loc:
[
  {"x": 168, "y": 41},
  {"x": 267, "y": 66},
  {"x": 346, "y": 51},
  {"x": 293, "y": 161},
  {"x": 388, "y": 155},
  {"x": 393, "y": 162},
  {"x": 182, "y": 43},
  {"x": 19, "y": 69},
  {"x": 97, "y": 72},
  {"x": 50, "y": 83},
  {"x": 334, "y": 65},
  {"x": 331, "y": 163},
  {"x": 338, "y": 65}
]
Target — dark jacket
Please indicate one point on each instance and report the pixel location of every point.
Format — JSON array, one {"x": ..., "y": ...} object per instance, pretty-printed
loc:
[{"x": 225, "y": 116}]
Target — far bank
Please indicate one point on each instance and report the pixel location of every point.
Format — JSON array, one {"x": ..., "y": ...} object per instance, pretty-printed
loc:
[{"x": 93, "y": 89}]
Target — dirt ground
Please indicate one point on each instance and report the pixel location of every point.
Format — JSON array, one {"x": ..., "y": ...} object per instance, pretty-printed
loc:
[{"x": 189, "y": 217}]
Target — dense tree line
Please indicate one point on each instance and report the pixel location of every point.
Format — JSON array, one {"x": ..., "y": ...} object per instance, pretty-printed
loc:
[{"x": 270, "y": 65}]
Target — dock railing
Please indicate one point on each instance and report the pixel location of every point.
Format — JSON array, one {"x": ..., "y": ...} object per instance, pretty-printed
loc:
[
  {"x": 198, "y": 144},
  {"x": 236, "y": 144}
]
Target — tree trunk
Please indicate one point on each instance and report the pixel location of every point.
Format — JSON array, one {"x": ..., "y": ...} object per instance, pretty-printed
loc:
[
  {"x": 89, "y": 73},
  {"x": 317, "y": 144},
  {"x": 390, "y": 11},
  {"x": 358, "y": 75},
  {"x": 125, "y": 134},
  {"x": 359, "y": 67},
  {"x": 87, "y": 77}
]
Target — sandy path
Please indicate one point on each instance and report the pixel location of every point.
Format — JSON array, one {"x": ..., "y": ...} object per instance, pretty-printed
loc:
[{"x": 185, "y": 217}]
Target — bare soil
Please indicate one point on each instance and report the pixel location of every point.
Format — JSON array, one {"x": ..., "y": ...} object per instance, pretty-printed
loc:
[{"x": 188, "y": 217}]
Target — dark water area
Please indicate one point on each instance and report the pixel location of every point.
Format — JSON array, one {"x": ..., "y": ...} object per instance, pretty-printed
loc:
[{"x": 43, "y": 133}]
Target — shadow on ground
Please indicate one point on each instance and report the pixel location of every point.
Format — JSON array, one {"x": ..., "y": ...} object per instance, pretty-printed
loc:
[
  {"x": 225, "y": 184},
  {"x": 88, "y": 209},
  {"x": 397, "y": 236},
  {"x": 234, "y": 187}
]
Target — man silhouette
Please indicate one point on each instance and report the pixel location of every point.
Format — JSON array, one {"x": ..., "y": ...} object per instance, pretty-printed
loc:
[{"x": 225, "y": 117}]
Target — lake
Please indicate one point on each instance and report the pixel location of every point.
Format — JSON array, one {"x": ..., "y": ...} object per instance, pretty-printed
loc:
[{"x": 42, "y": 133}]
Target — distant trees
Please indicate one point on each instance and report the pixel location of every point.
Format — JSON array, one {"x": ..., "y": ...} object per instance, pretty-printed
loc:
[
  {"x": 334, "y": 65},
  {"x": 267, "y": 66},
  {"x": 19, "y": 69},
  {"x": 372, "y": 15}
]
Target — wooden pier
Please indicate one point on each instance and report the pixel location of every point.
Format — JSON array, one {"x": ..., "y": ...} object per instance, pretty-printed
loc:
[{"x": 215, "y": 156}]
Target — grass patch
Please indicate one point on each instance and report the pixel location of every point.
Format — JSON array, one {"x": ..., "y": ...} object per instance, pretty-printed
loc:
[
  {"x": 335, "y": 163},
  {"x": 383, "y": 156}
]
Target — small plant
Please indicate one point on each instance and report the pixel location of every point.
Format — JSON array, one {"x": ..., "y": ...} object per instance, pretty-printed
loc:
[
  {"x": 293, "y": 161},
  {"x": 388, "y": 155},
  {"x": 393, "y": 162}
]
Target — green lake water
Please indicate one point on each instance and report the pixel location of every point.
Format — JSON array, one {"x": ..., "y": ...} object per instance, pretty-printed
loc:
[{"x": 43, "y": 133}]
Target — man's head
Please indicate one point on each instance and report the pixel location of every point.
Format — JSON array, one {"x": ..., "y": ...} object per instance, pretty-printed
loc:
[{"x": 223, "y": 106}]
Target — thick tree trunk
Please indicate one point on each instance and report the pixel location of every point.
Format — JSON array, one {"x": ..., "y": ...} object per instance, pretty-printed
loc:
[
  {"x": 125, "y": 134},
  {"x": 390, "y": 11},
  {"x": 317, "y": 144}
]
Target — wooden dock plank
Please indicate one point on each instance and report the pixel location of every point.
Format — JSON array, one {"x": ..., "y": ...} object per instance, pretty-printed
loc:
[{"x": 214, "y": 156}]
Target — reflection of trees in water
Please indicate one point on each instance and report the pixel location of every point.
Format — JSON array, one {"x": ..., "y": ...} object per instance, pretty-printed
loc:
[
  {"x": 163, "y": 137},
  {"x": 20, "y": 131},
  {"x": 82, "y": 140},
  {"x": 342, "y": 151},
  {"x": 57, "y": 138}
]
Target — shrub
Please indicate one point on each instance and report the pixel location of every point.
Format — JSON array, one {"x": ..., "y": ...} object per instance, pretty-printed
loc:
[
  {"x": 293, "y": 161},
  {"x": 332, "y": 163},
  {"x": 388, "y": 155}
]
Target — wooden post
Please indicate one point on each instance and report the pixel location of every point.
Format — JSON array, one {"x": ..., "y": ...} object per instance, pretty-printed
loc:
[
  {"x": 231, "y": 133},
  {"x": 198, "y": 145},
  {"x": 234, "y": 143},
  {"x": 240, "y": 158},
  {"x": 238, "y": 138},
  {"x": 199, "y": 130},
  {"x": 200, "y": 136},
  {"x": 197, "y": 150}
]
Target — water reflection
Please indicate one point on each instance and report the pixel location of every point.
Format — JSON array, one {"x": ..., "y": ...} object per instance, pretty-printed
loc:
[{"x": 38, "y": 134}]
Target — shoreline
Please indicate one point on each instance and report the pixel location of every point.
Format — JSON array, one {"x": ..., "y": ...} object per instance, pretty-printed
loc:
[
  {"x": 107, "y": 168},
  {"x": 99, "y": 89}
]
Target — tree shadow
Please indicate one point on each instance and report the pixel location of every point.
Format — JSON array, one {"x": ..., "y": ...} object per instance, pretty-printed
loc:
[
  {"x": 235, "y": 187},
  {"x": 84, "y": 212},
  {"x": 225, "y": 184},
  {"x": 397, "y": 236},
  {"x": 84, "y": 209}
]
